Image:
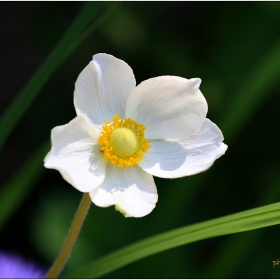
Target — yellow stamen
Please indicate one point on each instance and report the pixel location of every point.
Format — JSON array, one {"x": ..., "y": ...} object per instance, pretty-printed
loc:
[{"x": 123, "y": 142}]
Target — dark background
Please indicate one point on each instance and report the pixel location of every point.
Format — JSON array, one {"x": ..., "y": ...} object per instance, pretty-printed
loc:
[{"x": 224, "y": 44}]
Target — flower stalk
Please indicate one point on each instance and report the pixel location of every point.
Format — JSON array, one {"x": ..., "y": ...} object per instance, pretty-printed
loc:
[{"x": 71, "y": 238}]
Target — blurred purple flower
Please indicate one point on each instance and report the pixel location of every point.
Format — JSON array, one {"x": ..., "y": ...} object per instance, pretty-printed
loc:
[{"x": 13, "y": 266}]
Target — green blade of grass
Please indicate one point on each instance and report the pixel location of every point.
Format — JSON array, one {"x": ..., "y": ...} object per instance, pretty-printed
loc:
[
  {"x": 235, "y": 250},
  {"x": 74, "y": 36},
  {"x": 244, "y": 221}
]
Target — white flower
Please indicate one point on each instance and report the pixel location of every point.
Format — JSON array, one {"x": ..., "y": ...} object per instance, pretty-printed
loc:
[{"x": 124, "y": 134}]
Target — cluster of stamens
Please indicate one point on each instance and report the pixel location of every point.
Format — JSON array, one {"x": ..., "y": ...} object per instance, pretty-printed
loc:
[{"x": 122, "y": 141}]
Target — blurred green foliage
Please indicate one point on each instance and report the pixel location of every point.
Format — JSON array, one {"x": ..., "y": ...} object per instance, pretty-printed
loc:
[{"x": 230, "y": 46}]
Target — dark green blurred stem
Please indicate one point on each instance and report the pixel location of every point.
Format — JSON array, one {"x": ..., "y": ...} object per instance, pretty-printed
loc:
[
  {"x": 71, "y": 238},
  {"x": 18, "y": 187},
  {"x": 253, "y": 91},
  {"x": 74, "y": 36}
]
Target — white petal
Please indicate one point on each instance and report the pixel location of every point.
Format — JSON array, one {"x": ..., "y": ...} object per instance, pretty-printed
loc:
[
  {"x": 76, "y": 155},
  {"x": 132, "y": 190},
  {"x": 182, "y": 157},
  {"x": 102, "y": 89},
  {"x": 169, "y": 107}
]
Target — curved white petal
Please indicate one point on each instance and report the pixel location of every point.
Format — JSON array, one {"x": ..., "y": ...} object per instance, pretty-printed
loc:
[
  {"x": 169, "y": 107},
  {"x": 76, "y": 155},
  {"x": 174, "y": 158},
  {"x": 102, "y": 89},
  {"x": 132, "y": 190}
]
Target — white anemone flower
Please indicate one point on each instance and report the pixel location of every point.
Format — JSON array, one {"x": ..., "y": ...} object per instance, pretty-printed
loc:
[{"x": 124, "y": 134}]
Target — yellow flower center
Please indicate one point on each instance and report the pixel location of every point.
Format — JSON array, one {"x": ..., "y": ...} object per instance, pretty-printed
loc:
[{"x": 123, "y": 142}]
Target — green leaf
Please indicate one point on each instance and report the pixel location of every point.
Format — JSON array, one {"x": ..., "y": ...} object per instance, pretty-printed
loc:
[
  {"x": 75, "y": 35},
  {"x": 244, "y": 221}
]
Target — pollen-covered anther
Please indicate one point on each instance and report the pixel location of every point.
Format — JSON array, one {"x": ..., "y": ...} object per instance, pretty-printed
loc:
[{"x": 123, "y": 142}]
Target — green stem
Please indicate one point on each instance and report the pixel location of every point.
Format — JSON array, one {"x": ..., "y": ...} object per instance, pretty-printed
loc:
[{"x": 71, "y": 238}]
